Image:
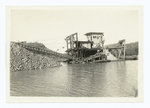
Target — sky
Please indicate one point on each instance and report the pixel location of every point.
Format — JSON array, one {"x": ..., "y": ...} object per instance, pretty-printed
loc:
[{"x": 52, "y": 26}]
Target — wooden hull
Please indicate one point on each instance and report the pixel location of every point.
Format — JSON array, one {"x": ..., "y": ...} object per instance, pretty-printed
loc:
[
  {"x": 99, "y": 61},
  {"x": 117, "y": 60}
]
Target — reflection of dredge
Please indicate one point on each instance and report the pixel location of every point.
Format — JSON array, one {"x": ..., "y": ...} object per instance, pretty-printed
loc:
[{"x": 86, "y": 51}]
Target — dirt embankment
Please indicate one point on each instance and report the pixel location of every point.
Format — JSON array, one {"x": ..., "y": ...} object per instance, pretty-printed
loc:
[{"x": 23, "y": 59}]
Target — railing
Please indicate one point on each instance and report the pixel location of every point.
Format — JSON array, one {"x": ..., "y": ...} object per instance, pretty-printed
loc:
[{"x": 44, "y": 51}]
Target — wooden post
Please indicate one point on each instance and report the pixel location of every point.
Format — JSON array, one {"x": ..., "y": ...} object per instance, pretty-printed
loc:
[
  {"x": 71, "y": 42},
  {"x": 119, "y": 53},
  {"x": 77, "y": 45},
  {"x": 124, "y": 50},
  {"x": 67, "y": 43}
]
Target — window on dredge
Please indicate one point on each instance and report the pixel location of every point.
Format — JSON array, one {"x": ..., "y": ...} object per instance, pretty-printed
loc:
[
  {"x": 94, "y": 36},
  {"x": 98, "y": 37}
]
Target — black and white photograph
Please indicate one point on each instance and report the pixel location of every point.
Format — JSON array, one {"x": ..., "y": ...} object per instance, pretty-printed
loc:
[{"x": 79, "y": 52}]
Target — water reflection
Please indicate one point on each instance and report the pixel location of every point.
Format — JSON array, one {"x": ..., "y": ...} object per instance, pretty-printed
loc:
[{"x": 113, "y": 79}]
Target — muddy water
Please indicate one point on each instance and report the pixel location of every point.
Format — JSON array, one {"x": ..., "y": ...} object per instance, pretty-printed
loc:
[{"x": 111, "y": 79}]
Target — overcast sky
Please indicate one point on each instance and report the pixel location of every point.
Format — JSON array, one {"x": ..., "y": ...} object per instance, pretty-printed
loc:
[{"x": 51, "y": 26}]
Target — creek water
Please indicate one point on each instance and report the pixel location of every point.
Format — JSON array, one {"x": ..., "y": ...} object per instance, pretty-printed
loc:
[{"x": 109, "y": 79}]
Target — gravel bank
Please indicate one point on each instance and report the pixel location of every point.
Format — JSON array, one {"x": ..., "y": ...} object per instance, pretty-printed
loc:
[{"x": 22, "y": 59}]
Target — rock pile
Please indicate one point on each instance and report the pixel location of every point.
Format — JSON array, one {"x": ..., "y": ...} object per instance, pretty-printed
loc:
[{"x": 22, "y": 59}]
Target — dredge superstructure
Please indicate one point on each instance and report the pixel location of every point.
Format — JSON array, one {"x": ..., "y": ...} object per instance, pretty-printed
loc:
[{"x": 92, "y": 50}]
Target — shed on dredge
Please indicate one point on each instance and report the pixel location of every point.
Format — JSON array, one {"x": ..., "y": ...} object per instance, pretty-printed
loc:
[{"x": 92, "y": 50}]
